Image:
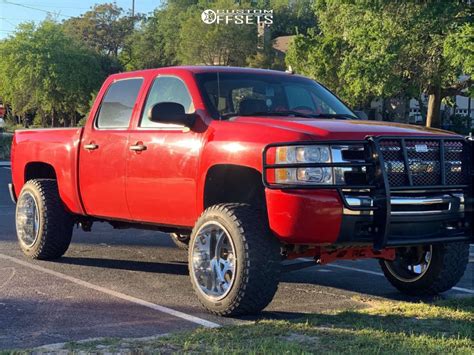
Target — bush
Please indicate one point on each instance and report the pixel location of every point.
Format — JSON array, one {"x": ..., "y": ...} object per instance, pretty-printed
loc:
[
  {"x": 5, "y": 145},
  {"x": 460, "y": 124}
]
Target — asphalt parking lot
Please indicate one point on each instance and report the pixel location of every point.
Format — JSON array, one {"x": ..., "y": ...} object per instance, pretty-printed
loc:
[{"x": 132, "y": 283}]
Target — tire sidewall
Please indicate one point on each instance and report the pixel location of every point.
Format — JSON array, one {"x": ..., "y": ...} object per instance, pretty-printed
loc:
[
  {"x": 39, "y": 200},
  {"x": 241, "y": 261},
  {"x": 425, "y": 281}
]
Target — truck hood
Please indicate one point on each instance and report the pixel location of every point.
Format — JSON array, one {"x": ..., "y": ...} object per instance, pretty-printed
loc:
[{"x": 340, "y": 129}]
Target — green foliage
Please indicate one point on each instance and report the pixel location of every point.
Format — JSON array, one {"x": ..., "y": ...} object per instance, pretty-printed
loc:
[
  {"x": 5, "y": 146},
  {"x": 289, "y": 17},
  {"x": 175, "y": 34},
  {"x": 104, "y": 28},
  {"x": 43, "y": 72},
  {"x": 266, "y": 59},
  {"x": 364, "y": 49},
  {"x": 155, "y": 43},
  {"x": 221, "y": 44},
  {"x": 460, "y": 124}
]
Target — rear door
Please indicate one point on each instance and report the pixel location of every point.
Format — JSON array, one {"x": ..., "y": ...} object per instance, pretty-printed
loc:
[{"x": 104, "y": 150}]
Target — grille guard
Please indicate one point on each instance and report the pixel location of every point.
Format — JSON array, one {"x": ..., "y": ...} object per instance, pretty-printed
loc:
[{"x": 378, "y": 177}]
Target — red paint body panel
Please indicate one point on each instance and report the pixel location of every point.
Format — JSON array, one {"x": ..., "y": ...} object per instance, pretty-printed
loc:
[
  {"x": 306, "y": 217},
  {"x": 56, "y": 147},
  {"x": 165, "y": 183},
  {"x": 102, "y": 173}
]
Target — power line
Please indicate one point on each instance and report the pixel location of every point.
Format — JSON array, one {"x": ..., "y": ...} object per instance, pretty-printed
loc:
[
  {"x": 57, "y": 6},
  {"x": 35, "y": 8},
  {"x": 8, "y": 21}
]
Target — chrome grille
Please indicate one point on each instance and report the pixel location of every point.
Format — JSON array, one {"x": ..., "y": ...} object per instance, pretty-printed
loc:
[{"x": 423, "y": 159}]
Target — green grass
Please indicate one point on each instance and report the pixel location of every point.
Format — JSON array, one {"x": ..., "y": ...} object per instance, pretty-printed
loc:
[
  {"x": 443, "y": 327},
  {"x": 5, "y": 145}
]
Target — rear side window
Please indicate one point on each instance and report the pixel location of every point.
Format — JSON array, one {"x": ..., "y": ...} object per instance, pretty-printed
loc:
[{"x": 117, "y": 105}]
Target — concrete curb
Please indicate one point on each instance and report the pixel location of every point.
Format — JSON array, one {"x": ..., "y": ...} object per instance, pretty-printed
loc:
[{"x": 60, "y": 346}]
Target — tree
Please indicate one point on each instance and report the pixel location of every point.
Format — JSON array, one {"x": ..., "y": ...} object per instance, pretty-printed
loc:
[
  {"x": 104, "y": 28},
  {"x": 44, "y": 72},
  {"x": 290, "y": 17},
  {"x": 221, "y": 44},
  {"x": 155, "y": 43},
  {"x": 364, "y": 49}
]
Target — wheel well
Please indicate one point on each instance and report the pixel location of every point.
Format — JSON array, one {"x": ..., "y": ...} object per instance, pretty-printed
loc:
[
  {"x": 233, "y": 183},
  {"x": 39, "y": 170}
]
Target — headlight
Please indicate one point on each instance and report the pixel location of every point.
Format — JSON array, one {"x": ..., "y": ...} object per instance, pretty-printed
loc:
[{"x": 302, "y": 155}]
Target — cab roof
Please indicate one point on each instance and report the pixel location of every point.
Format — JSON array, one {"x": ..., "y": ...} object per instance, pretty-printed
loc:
[{"x": 199, "y": 69}]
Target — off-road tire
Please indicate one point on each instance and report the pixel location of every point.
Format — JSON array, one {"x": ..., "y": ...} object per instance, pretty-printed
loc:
[
  {"x": 181, "y": 240},
  {"x": 448, "y": 264},
  {"x": 55, "y": 222},
  {"x": 258, "y": 260}
]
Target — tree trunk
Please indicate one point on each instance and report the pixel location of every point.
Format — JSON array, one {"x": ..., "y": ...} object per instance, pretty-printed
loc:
[{"x": 433, "y": 117}]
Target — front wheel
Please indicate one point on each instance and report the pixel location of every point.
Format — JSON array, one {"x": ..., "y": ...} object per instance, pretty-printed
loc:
[
  {"x": 427, "y": 270},
  {"x": 234, "y": 260}
]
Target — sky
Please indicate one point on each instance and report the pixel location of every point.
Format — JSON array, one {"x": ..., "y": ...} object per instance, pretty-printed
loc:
[{"x": 13, "y": 12}]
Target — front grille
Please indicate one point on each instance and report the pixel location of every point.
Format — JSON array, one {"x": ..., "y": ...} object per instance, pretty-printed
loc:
[{"x": 424, "y": 162}]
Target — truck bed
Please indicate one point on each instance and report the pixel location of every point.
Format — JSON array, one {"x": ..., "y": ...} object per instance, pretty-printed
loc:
[{"x": 57, "y": 150}]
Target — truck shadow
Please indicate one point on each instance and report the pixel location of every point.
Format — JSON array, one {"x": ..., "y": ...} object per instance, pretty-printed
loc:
[{"x": 175, "y": 268}]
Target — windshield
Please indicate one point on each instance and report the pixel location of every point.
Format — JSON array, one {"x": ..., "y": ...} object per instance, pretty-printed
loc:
[{"x": 242, "y": 94}]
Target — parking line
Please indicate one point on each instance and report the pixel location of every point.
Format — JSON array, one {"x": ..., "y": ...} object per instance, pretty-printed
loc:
[
  {"x": 460, "y": 289},
  {"x": 356, "y": 269},
  {"x": 156, "y": 307}
]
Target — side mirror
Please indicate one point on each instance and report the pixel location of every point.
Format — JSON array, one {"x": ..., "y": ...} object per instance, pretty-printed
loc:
[
  {"x": 170, "y": 112},
  {"x": 362, "y": 115}
]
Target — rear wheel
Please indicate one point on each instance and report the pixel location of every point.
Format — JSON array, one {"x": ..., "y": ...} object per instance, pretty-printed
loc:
[
  {"x": 234, "y": 261},
  {"x": 44, "y": 227},
  {"x": 427, "y": 270}
]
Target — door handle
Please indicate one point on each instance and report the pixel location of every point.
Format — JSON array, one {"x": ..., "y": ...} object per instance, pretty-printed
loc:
[
  {"x": 138, "y": 147},
  {"x": 91, "y": 146}
]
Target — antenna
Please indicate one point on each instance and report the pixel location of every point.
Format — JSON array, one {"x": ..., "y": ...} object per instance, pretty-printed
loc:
[{"x": 218, "y": 95}]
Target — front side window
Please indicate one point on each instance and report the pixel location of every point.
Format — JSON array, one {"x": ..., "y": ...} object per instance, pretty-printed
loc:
[
  {"x": 230, "y": 94},
  {"x": 117, "y": 105},
  {"x": 166, "y": 89}
]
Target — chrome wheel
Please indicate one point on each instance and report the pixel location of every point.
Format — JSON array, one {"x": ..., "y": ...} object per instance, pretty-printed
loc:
[
  {"x": 411, "y": 264},
  {"x": 27, "y": 219},
  {"x": 213, "y": 265}
]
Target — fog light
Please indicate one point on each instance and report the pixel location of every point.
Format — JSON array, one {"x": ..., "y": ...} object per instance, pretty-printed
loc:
[{"x": 316, "y": 175}]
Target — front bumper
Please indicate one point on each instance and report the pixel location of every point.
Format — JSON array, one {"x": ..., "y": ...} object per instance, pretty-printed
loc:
[
  {"x": 396, "y": 215},
  {"x": 431, "y": 218}
]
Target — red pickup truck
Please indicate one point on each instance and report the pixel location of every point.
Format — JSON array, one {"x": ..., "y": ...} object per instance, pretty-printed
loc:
[{"x": 248, "y": 167}]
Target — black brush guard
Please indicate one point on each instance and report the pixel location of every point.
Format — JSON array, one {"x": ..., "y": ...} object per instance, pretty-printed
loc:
[{"x": 379, "y": 186}]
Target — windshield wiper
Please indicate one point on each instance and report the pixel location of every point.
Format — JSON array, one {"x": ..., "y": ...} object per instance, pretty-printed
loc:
[
  {"x": 292, "y": 113},
  {"x": 341, "y": 116},
  {"x": 271, "y": 113}
]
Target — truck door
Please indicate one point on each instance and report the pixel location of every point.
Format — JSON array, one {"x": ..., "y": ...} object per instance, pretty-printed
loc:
[
  {"x": 104, "y": 150},
  {"x": 162, "y": 163}
]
